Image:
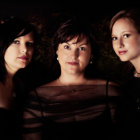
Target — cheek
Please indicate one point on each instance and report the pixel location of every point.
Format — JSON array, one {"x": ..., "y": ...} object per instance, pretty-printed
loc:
[
  {"x": 9, "y": 54},
  {"x": 30, "y": 53},
  {"x": 113, "y": 46},
  {"x": 6, "y": 58},
  {"x": 62, "y": 55},
  {"x": 135, "y": 44},
  {"x": 115, "y": 49},
  {"x": 9, "y": 58},
  {"x": 85, "y": 59},
  {"x": 136, "y": 49},
  {"x": 62, "y": 58},
  {"x": 31, "y": 50}
]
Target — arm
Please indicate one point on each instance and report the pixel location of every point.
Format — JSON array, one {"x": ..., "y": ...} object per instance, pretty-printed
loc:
[
  {"x": 32, "y": 119},
  {"x": 6, "y": 95},
  {"x": 114, "y": 94}
]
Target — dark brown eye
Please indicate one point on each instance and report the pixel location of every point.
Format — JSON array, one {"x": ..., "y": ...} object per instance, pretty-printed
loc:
[
  {"x": 16, "y": 42},
  {"x": 29, "y": 44},
  {"x": 114, "y": 38},
  {"x": 66, "y": 47},
  {"x": 126, "y": 35},
  {"x": 82, "y": 48}
]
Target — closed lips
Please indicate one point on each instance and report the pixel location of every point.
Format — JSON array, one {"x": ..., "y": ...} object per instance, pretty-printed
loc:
[
  {"x": 122, "y": 52},
  {"x": 73, "y": 63}
]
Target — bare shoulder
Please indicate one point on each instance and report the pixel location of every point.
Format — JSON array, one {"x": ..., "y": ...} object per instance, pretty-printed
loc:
[
  {"x": 113, "y": 83},
  {"x": 113, "y": 87},
  {"x": 102, "y": 82},
  {"x": 97, "y": 81}
]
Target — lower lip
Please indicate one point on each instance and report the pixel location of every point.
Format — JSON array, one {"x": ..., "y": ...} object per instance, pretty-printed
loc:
[{"x": 23, "y": 60}]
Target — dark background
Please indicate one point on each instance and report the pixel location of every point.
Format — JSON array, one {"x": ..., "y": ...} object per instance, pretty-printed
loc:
[
  {"x": 99, "y": 12},
  {"x": 94, "y": 9}
]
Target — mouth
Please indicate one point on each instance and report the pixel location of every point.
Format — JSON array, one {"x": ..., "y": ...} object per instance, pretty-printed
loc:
[
  {"x": 122, "y": 52},
  {"x": 23, "y": 58},
  {"x": 73, "y": 63}
]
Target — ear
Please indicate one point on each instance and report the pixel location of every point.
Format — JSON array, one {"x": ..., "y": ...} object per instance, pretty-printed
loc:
[
  {"x": 57, "y": 52},
  {"x": 91, "y": 56}
]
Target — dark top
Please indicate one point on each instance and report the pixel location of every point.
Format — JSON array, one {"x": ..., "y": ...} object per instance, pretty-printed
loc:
[
  {"x": 9, "y": 123},
  {"x": 11, "y": 119},
  {"x": 6, "y": 119},
  {"x": 129, "y": 120},
  {"x": 71, "y": 112}
]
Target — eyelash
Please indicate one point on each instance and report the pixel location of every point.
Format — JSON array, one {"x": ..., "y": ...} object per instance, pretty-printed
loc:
[
  {"x": 15, "y": 42},
  {"x": 114, "y": 38},
  {"x": 125, "y": 36},
  {"x": 80, "y": 48},
  {"x": 66, "y": 47},
  {"x": 28, "y": 44}
]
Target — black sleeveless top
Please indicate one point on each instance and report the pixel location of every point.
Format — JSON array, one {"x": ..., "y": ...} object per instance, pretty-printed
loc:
[{"x": 129, "y": 118}]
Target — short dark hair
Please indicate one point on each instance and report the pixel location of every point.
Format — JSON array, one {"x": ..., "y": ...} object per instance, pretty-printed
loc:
[{"x": 74, "y": 27}]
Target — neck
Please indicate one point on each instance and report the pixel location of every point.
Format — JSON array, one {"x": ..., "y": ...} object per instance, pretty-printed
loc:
[
  {"x": 72, "y": 80},
  {"x": 10, "y": 75},
  {"x": 10, "y": 70},
  {"x": 9, "y": 79}
]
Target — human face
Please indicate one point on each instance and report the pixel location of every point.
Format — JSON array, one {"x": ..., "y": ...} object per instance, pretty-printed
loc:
[
  {"x": 74, "y": 57},
  {"x": 19, "y": 53},
  {"x": 126, "y": 40}
]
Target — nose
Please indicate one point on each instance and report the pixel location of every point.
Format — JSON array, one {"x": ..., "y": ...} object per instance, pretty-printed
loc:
[
  {"x": 74, "y": 54},
  {"x": 121, "y": 43},
  {"x": 23, "y": 48}
]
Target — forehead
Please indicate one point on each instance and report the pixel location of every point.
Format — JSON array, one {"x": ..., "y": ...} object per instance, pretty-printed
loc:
[
  {"x": 29, "y": 35},
  {"x": 123, "y": 24},
  {"x": 78, "y": 40}
]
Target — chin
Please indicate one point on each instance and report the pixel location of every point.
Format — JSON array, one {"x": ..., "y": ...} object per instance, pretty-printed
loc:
[
  {"x": 22, "y": 66},
  {"x": 124, "y": 59}
]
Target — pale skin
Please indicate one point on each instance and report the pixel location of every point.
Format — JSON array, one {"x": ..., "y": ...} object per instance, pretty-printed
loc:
[
  {"x": 126, "y": 42},
  {"x": 73, "y": 58},
  {"x": 17, "y": 56}
]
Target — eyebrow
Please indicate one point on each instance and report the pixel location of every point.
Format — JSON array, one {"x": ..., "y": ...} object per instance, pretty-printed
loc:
[{"x": 85, "y": 43}]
